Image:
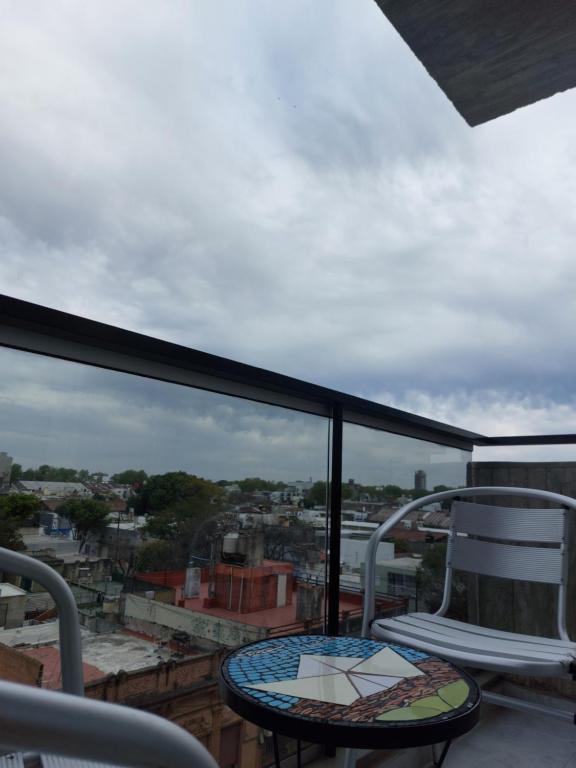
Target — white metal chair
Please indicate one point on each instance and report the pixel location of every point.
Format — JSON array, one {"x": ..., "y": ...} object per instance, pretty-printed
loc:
[
  {"x": 41, "y": 724},
  {"x": 44, "y": 724},
  {"x": 523, "y": 544}
]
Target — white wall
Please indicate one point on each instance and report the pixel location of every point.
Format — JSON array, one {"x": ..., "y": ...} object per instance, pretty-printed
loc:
[{"x": 353, "y": 552}]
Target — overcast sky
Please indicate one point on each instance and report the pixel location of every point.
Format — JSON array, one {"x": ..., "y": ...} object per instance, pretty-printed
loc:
[{"x": 282, "y": 184}]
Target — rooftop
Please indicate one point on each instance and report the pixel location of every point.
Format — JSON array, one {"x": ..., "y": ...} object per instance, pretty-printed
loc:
[
  {"x": 271, "y": 617},
  {"x": 9, "y": 590}
]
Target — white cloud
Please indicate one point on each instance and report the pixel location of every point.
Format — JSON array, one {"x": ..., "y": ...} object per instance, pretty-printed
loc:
[{"x": 285, "y": 185}]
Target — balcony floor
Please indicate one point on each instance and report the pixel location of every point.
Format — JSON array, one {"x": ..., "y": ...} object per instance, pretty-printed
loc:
[
  {"x": 504, "y": 738},
  {"x": 508, "y": 738}
]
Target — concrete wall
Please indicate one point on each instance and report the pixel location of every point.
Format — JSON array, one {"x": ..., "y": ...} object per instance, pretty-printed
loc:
[
  {"x": 353, "y": 552},
  {"x": 204, "y": 626},
  {"x": 519, "y": 606},
  {"x": 15, "y": 607}
]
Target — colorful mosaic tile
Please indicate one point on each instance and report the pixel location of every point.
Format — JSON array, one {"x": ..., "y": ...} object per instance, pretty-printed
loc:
[{"x": 347, "y": 679}]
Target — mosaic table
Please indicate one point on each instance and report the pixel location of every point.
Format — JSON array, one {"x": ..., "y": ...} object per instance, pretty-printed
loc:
[{"x": 349, "y": 692}]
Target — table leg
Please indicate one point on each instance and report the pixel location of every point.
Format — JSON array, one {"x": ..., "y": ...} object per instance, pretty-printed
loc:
[
  {"x": 440, "y": 762},
  {"x": 276, "y": 750},
  {"x": 298, "y": 754}
]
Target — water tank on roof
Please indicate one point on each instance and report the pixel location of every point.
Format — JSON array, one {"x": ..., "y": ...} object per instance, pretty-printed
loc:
[
  {"x": 192, "y": 584},
  {"x": 230, "y": 543}
]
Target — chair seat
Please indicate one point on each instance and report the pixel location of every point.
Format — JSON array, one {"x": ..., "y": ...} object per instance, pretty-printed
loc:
[{"x": 472, "y": 645}]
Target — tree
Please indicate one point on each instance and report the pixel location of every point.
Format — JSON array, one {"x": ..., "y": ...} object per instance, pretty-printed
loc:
[
  {"x": 156, "y": 556},
  {"x": 88, "y": 516},
  {"x": 16, "y": 472},
  {"x": 252, "y": 484},
  {"x": 135, "y": 477},
  {"x": 418, "y": 493},
  {"x": 430, "y": 583},
  {"x": 180, "y": 508},
  {"x": 14, "y": 510},
  {"x": 392, "y": 491},
  {"x": 316, "y": 496},
  {"x": 47, "y": 473},
  {"x": 289, "y": 543},
  {"x": 401, "y": 546}
]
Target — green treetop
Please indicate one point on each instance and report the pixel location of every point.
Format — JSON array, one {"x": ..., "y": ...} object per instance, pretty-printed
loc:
[
  {"x": 88, "y": 516},
  {"x": 14, "y": 510}
]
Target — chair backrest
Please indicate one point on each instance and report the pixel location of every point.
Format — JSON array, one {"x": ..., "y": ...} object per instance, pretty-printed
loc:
[
  {"x": 526, "y": 544},
  {"x": 509, "y": 543},
  {"x": 69, "y": 625},
  {"x": 500, "y": 541}
]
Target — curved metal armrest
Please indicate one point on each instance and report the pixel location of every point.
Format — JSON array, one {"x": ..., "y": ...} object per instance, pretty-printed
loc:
[
  {"x": 379, "y": 533},
  {"x": 61, "y": 724},
  {"x": 69, "y": 626}
]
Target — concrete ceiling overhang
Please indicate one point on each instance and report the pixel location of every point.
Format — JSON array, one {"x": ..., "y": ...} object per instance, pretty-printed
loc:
[{"x": 491, "y": 57}]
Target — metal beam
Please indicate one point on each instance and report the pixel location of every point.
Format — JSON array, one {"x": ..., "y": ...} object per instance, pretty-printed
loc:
[
  {"x": 45, "y": 331},
  {"x": 335, "y": 507}
]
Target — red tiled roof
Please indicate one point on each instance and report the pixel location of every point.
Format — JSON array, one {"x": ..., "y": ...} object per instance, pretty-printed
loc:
[{"x": 52, "y": 672}]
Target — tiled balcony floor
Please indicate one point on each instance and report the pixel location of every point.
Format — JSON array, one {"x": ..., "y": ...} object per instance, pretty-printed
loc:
[
  {"x": 508, "y": 738},
  {"x": 504, "y": 738}
]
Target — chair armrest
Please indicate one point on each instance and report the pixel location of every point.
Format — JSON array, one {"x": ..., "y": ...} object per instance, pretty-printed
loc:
[
  {"x": 69, "y": 626},
  {"x": 59, "y": 723}
]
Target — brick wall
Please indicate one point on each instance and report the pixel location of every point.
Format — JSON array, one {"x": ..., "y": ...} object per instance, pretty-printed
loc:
[
  {"x": 186, "y": 693},
  {"x": 248, "y": 589},
  {"x": 16, "y": 667}
]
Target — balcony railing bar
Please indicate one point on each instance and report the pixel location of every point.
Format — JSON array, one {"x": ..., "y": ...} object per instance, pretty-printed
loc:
[
  {"x": 30, "y": 327},
  {"x": 527, "y": 440},
  {"x": 335, "y": 518}
]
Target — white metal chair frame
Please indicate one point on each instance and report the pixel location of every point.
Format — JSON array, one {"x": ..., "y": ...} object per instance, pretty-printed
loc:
[
  {"x": 476, "y": 544},
  {"x": 70, "y": 725}
]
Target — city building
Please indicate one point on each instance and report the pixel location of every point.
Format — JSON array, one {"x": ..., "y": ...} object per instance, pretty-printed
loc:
[
  {"x": 52, "y": 488},
  {"x": 5, "y": 468},
  {"x": 12, "y": 605},
  {"x": 420, "y": 480}
]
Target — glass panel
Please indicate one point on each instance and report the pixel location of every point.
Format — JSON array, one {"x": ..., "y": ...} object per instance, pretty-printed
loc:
[
  {"x": 381, "y": 472},
  {"x": 178, "y": 517}
]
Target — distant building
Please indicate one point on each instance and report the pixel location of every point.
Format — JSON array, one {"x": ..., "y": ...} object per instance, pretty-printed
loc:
[
  {"x": 420, "y": 480},
  {"x": 300, "y": 486},
  {"x": 54, "y": 488},
  {"x": 12, "y": 606},
  {"x": 5, "y": 468}
]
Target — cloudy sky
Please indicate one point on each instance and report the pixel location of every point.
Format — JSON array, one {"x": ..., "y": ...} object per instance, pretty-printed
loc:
[{"x": 282, "y": 184}]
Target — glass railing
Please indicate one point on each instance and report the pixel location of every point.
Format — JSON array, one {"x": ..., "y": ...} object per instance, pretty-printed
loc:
[{"x": 195, "y": 504}]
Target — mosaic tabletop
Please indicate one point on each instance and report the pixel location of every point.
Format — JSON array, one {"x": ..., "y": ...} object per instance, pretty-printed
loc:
[{"x": 347, "y": 691}]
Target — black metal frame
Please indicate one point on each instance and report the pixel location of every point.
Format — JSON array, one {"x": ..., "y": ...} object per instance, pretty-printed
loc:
[{"x": 32, "y": 328}]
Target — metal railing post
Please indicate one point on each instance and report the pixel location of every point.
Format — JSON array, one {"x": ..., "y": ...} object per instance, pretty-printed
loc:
[{"x": 335, "y": 515}]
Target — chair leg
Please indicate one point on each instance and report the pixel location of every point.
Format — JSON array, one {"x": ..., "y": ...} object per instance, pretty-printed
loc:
[
  {"x": 527, "y": 706},
  {"x": 349, "y": 760}
]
